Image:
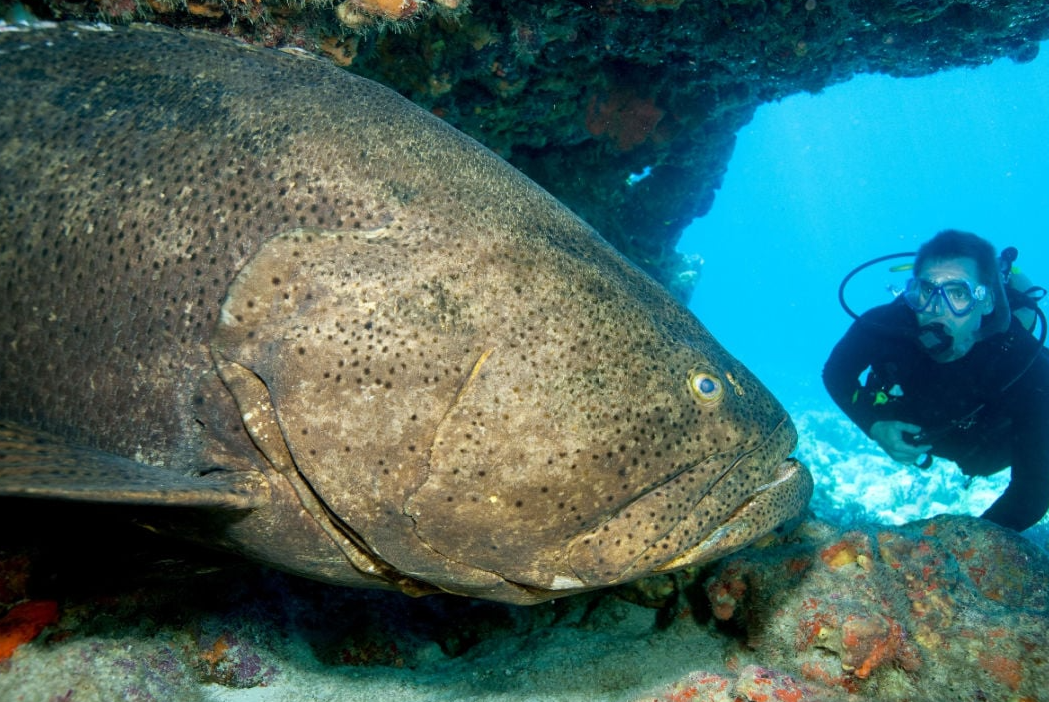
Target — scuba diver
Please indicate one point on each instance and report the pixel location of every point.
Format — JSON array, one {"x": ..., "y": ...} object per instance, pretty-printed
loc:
[{"x": 947, "y": 369}]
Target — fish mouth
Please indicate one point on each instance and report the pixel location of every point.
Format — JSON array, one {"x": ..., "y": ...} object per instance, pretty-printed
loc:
[
  {"x": 752, "y": 494},
  {"x": 781, "y": 500}
]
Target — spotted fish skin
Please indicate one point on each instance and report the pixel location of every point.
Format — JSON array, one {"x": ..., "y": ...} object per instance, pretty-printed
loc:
[{"x": 256, "y": 270}]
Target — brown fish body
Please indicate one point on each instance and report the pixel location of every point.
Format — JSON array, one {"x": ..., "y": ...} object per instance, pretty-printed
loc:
[{"x": 387, "y": 356}]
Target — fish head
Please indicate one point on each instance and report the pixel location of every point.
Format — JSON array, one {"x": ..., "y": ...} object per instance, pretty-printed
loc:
[
  {"x": 519, "y": 418},
  {"x": 451, "y": 381}
]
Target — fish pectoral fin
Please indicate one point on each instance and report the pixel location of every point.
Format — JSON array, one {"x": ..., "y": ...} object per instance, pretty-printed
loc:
[{"x": 37, "y": 464}]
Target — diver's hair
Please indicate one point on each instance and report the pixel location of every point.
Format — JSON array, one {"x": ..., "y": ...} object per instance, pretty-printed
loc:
[{"x": 952, "y": 243}]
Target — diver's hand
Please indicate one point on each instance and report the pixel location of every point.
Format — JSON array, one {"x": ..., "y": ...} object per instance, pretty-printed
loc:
[{"x": 889, "y": 435}]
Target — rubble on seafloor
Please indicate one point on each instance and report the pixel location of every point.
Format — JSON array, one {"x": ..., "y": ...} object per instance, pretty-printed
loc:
[{"x": 948, "y": 608}]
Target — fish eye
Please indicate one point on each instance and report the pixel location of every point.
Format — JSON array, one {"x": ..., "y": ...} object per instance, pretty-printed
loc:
[{"x": 705, "y": 386}]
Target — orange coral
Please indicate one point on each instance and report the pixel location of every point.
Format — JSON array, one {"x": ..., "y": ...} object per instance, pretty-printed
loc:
[
  {"x": 624, "y": 117},
  {"x": 758, "y": 684},
  {"x": 870, "y": 642},
  {"x": 725, "y": 593},
  {"x": 389, "y": 9},
  {"x": 213, "y": 656},
  {"x": 839, "y": 554},
  {"x": 814, "y": 628},
  {"x": 854, "y": 548},
  {"x": 23, "y": 623},
  {"x": 203, "y": 9},
  {"x": 341, "y": 51},
  {"x": 817, "y": 673},
  {"x": 788, "y": 695},
  {"x": 686, "y": 695},
  {"x": 1007, "y": 671}
]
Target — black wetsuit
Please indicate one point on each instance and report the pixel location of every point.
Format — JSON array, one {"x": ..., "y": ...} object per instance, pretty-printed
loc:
[{"x": 1010, "y": 428}]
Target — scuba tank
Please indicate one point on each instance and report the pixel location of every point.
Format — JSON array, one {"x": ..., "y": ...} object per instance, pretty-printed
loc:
[{"x": 1023, "y": 296}]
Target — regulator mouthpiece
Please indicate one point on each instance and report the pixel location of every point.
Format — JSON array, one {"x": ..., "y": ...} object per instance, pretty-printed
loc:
[{"x": 935, "y": 339}]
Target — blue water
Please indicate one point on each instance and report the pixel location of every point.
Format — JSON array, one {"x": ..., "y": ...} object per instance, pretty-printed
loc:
[{"x": 821, "y": 183}]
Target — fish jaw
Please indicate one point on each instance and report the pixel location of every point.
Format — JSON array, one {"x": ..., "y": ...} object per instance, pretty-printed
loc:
[
  {"x": 791, "y": 488},
  {"x": 757, "y": 492}
]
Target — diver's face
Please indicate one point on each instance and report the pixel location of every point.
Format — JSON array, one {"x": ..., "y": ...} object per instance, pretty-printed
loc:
[{"x": 960, "y": 328}]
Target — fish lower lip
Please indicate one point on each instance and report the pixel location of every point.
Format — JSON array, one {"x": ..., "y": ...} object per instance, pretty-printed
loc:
[
  {"x": 738, "y": 531},
  {"x": 628, "y": 545}
]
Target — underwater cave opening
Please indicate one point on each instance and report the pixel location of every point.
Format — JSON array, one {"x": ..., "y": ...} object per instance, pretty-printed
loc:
[{"x": 821, "y": 183}]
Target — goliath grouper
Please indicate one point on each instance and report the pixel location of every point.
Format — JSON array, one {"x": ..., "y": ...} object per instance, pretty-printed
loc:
[{"x": 255, "y": 285}]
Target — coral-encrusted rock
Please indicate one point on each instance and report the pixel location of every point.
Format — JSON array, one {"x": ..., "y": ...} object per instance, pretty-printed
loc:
[
  {"x": 752, "y": 684},
  {"x": 952, "y": 604},
  {"x": 581, "y": 95},
  {"x": 952, "y": 609}
]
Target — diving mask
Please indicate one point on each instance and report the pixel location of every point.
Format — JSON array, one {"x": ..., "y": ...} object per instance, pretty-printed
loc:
[{"x": 959, "y": 295}]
